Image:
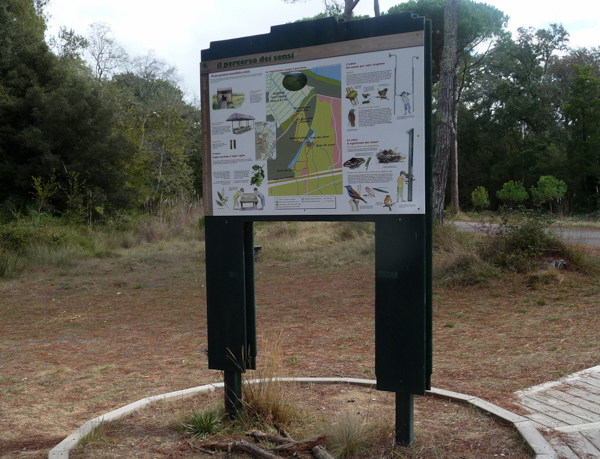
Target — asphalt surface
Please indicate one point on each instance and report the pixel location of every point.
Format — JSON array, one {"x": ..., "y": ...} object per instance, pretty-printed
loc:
[{"x": 588, "y": 237}]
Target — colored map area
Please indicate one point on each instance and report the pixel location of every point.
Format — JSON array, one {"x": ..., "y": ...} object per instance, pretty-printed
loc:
[
  {"x": 308, "y": 131},
  {"x": 265, "y": 137}
]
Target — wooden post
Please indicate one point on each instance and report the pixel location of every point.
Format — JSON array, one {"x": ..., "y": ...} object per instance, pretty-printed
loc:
[{"x": 404, "y": 419}]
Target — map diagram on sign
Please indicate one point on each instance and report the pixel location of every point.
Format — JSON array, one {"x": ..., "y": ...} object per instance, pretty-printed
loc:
[
  {"x": 305, "y": 107},
  {"x": 265, "y": 133}
]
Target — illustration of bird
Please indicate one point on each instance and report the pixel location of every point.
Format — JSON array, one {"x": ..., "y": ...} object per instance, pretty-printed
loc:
[
  {"x": 354, "y": 194},
  {"x": 369, "y": 191},
  {"x": 382, "y": 93},
  {"x": 352, "y": 117},
  {"x": 387, "y": 202},
  {"x": 366, "y": 95}
]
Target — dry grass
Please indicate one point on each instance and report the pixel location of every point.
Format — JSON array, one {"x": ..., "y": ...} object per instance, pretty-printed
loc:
[
  {"x": 79, "y": 342},
  {"x": 267, "y": 402}
]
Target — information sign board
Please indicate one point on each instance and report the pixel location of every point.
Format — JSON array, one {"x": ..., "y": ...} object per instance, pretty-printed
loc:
[{"x": 323, "y": 130}]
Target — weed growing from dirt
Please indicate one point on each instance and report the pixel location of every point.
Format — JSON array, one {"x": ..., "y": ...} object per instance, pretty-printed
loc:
[{"x": 201, "y": 424}]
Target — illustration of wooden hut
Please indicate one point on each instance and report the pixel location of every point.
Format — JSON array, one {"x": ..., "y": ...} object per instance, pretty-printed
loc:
[{"x": 243, "y": 123}]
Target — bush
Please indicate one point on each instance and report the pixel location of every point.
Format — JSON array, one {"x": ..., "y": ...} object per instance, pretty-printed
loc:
[
  {"x": 548, "y": 189},
  {"x": 518, "y": 244},
  {"x": 512, "y": 193},
  {"x": 480, "y": 198}
]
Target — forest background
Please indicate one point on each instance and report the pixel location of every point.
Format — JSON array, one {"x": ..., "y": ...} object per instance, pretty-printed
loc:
[{"x": 89, "y": 134}]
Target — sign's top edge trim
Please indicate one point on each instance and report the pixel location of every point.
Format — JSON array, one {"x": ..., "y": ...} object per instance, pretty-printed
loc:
[{"x": 348, "y": 47}]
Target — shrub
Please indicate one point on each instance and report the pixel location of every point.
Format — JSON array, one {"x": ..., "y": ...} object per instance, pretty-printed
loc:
[
  {"x": 480, "y": 198},
  {"x": 548, "y": 189},
  {"x": 512, "y": 193},
  {"x": 520, "y": 242}
]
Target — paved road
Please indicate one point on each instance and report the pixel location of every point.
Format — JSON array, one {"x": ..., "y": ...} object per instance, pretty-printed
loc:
[{"x": 589, "y": 237}]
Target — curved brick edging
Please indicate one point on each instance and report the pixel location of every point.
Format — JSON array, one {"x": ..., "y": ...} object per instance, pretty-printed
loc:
[{"x": 525, "y": 428}]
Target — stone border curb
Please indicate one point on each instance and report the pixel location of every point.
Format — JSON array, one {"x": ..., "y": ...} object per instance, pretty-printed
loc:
[{"x": 525, "y": 428}]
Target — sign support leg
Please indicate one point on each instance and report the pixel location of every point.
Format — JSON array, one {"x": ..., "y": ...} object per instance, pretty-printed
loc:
[
  {"x": 233, "y": 393},
  {"x": 404, "y": 419}
]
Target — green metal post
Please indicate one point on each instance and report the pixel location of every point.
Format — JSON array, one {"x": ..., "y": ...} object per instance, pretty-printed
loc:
[
  {"x": 250, "y": 303},
  {"x": 404, "y": 419},
  {"x": 233, "y": 393}
]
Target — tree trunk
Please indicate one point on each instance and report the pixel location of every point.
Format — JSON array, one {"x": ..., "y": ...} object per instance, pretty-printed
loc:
[
  {"x": 348, "y": 8},
  {"x": 446, "y": 130},
  {"x": 454, "y": 156},
  {"x": 376, "y": 7}
]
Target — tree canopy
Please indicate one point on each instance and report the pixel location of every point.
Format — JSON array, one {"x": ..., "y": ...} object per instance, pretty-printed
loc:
[{"x": 117, "y": 131}]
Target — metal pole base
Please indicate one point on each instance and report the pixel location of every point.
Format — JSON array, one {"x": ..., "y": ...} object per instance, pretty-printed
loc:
[
  {"x": 233, "y": 393},
  {"x": 404, "y": 419}
]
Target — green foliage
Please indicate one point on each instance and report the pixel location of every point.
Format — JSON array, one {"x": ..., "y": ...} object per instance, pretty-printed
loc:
[
  {"x": 164, "y": 130},
  {"x": 43, "y": 190},
  {"x": 259, "y": 175},
  {"x": 520, "y": 242},
  {"x": 53, "y": 116},
  {"x": 477, "y": 22},
  {"x": 582, "y": 109},
  {"x": 513, "y": 193},
  {"x": 201, "y": 424},
  {"x": 548, "y": 189},
  {"x": 480, "y": 198}
]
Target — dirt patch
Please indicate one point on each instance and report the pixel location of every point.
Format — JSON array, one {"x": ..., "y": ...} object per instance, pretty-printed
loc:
[
  {"x": 443, "y": 429},
  {"x": 77, "y": 343}
]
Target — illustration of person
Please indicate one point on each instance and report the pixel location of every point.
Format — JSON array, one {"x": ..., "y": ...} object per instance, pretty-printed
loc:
[
  {"x": 236, "y": 198},
  {"x": 401, "y": 181},
  {"x": 405, "y": 101},
  {"x": 260, "y": 196}
]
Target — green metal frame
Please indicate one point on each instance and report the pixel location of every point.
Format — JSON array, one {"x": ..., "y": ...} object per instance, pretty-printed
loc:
[{"x": 403, "y": 249}]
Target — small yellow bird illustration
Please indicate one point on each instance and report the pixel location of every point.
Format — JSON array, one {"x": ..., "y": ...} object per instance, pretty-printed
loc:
[{"x": 387, "y": 202}]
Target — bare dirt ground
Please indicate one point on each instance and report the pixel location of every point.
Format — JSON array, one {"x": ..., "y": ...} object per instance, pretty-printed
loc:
[{"x": 79, "y": 342}]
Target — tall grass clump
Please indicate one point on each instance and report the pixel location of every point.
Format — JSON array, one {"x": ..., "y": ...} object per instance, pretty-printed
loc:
[
  {"x": 457, "y": 261},
  {"x": 351, "y": 436},
  {"x": 8, "y": 264},
  {"x": 266, "y": 402}
]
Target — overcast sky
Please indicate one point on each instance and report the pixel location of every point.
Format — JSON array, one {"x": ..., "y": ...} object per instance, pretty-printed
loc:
[{"x": 178, "y": 29}]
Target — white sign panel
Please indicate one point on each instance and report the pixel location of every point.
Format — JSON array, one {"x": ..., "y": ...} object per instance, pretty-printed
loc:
[{"x": 335, "y": 136}]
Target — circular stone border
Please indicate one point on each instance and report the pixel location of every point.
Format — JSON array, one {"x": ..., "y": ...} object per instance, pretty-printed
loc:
[{"x": 524, "y": 426}]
